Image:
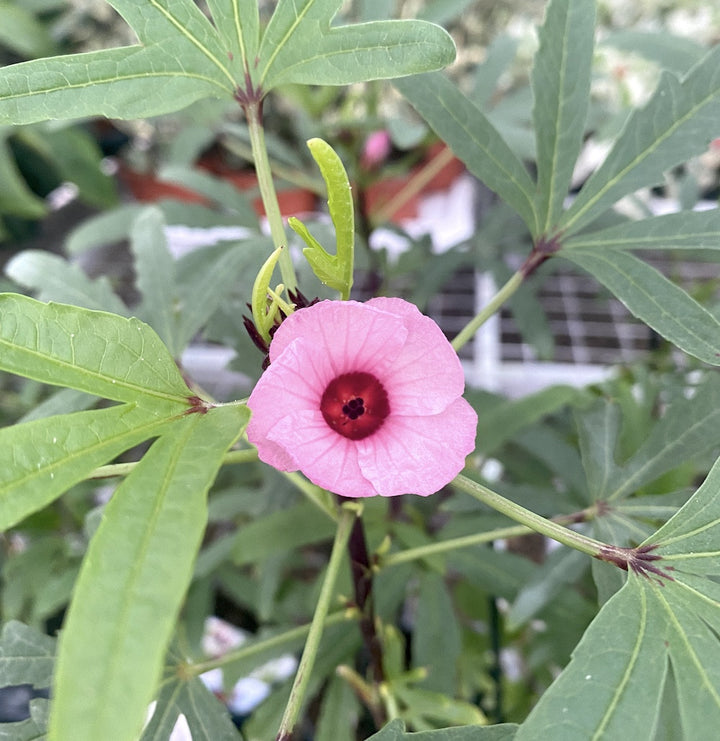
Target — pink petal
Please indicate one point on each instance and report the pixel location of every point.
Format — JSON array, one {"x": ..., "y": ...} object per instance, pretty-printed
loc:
[
  {"x": 419, "y": 455},
  {"x": 427, "y": 374},
  {"x": 326, "y": 458},
  {"x": 290, "y": 386},
  {"x": 349, "y": 335}
]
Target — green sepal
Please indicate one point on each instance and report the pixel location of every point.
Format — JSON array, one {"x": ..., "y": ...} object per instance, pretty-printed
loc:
[{"x": 264, "y": 313}]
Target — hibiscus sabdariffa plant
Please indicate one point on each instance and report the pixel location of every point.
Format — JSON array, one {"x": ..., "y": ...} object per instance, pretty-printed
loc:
[{"x": 364, "y": 399}]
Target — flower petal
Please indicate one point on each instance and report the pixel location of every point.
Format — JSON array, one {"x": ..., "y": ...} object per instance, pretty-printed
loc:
[
  {"x": 418, "y": 455},
  {"x": 326, "y": 458},
  {"x": 350, "y": 335},
  {"x": 426, "y": 375},
  {"x": 294, "y": 385}
]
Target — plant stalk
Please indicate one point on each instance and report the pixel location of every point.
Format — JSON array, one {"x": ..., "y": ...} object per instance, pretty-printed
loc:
[
  {"x": 362, "y": 574},
  {"x": 467, "y": 541},
  {"x": 246, "y": 455},
  {"x": 287, "y": 638},
  {"x": 348, "y": 513},
  {"x": 554, "y": 530},
  {"x": 253, "y": 112},
  {"x": 493, "y": 305}
]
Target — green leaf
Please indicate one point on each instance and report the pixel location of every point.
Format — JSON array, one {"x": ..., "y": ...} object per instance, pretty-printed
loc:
[
  {"x": 182, "y": 58},
  {"x": 677, "y": 123},
  {"x": 265, "y": 312},
  {"x": 395, "y": 731},
  {"x": 62, "y": 401},
  {"x": 561, "y": 92},
  {"x": 691, "y": 230},
  {"x": 75, "y": 155},
  {"x": 103, "y": 228},
  {"x": 222, "y": 192},
  {"x": 102, "y": 354},
  {"x": 285, "y": 529},
  {"x": 207, "y": 718},
  {"x": 22, "y": 32},
  {"x": 179, "y": 60},
  {"x": 26, "y": 656},
  {"x": 133, "y": 579},
  {"x": 206, "y": 278},
  {"x": 665, "y": 619},
  {"x": 238, "y": 24},
  {"x": 41, "y": 460},
  {"x": 55, "y": 279},
  {"x": 15, "y": 196},
  {"x": 498, "y": 57},
  {"x": 299, "y": 46},
  {"x": 155, "y": 275},
  {"x": 676, "y": 53},
  {"x": 427, "y": 709},
  {"x": 504, "y": 420},
  {"x": 339, "y": 713},
  {"x": 129, "y": 82},
  {"x": 562, "y": 567},
  {"x": 654, "y": 299},
  {"x": 436, "y": 640},
  {"x": 612, "y": 685},
  {"x": 335, "y": 270},
  {"x": 32, "y": 729},
  {"x": 474, "y": 140},
  {"x": 689, "y": 426}
]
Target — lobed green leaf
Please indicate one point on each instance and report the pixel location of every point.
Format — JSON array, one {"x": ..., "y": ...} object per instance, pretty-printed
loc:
[
  {"x": 238, "y": 24},
  {"x": 561, "y": 93},
  {"x": 654, "y": 643},
  {"x": 127, "y": 82},
  {"x": 651, "y": 297},
  {"x": 26, "y": 656},
  {"x": 299, "y": 46},
  {"x": 474, "y": 140},
  {"x": 155, "y": 275},
  {"x": 692, "y": 230},
  {"x": 92, "y": 351},
  {"x": 55, "y": 279},
  {"x": 395, "y": 731},
  {"x": 676, "y": 124},
  {"x": 41, "y": 460},
  {"x": 133, "y": 579},
  {"x": 207, "y": 718}
]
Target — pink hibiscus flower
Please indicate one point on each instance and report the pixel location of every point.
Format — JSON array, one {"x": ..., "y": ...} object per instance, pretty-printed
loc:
[{"x": 364, "y": 399}]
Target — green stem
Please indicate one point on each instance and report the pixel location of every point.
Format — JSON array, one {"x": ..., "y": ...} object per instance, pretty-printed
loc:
[
  {"x": 283, "y": 640},
  {"x": 319, "y": 497},
  {"x": 466, "y": 541},
  {"x": 443, "y": 546},
  {"x": 535, "y": 522},
  {"x": 493, "y": 305},
  {"x": 267, "y": 192},
  {"x": 247, "y": 455},
  {"x": 348, "y": 513},
  {"x": 285, "y": 173}
]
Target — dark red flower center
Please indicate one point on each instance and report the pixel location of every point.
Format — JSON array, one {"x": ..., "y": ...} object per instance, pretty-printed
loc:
[{"x": 355, "y": 405}]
